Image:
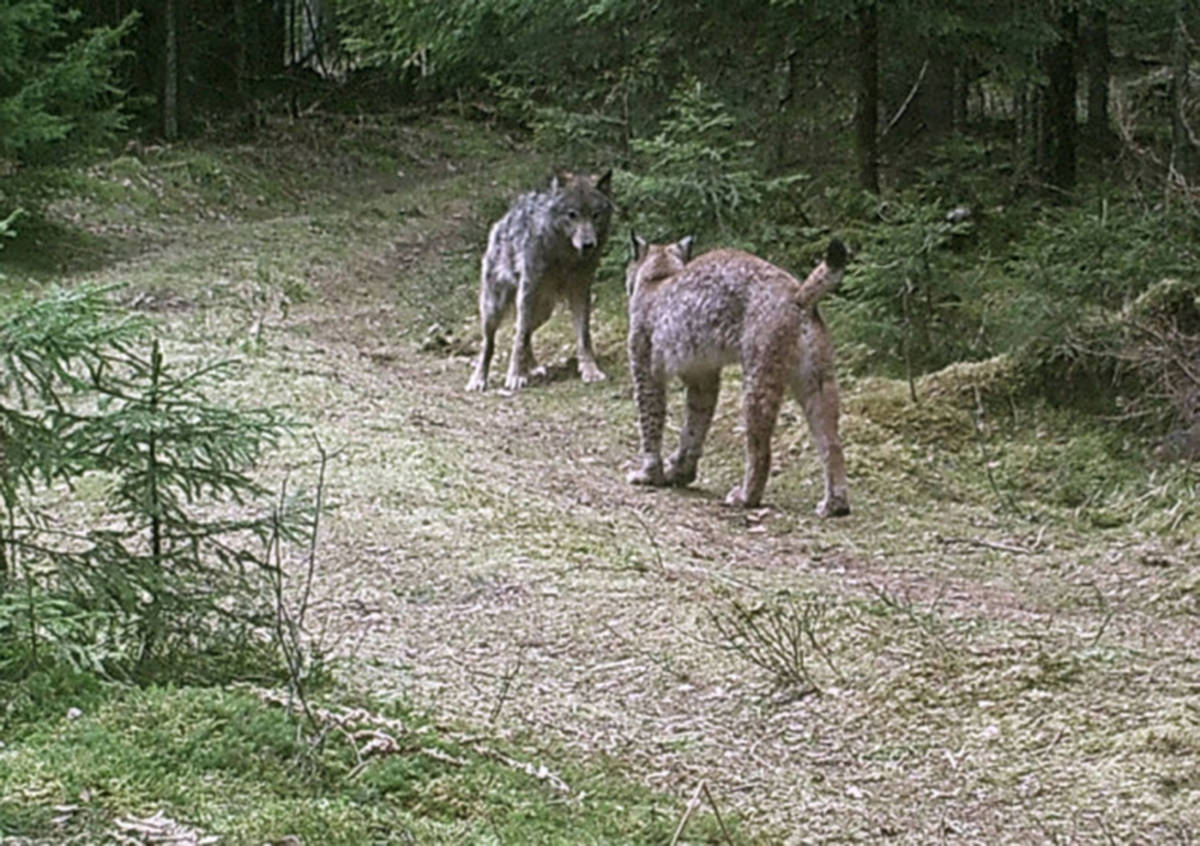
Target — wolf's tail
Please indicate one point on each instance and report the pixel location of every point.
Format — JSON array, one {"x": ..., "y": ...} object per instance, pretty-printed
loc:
[{"x": 825, "y": 276}]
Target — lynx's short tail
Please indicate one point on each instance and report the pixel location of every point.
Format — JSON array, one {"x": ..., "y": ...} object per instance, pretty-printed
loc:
[{"x": 825, "y": 276}]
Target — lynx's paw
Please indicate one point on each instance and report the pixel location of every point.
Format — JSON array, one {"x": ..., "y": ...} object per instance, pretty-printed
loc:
[
  {"x": 650, "y": 473},
  {"x": 833, "y": 506},
  {"x": 681, "y": 471}
]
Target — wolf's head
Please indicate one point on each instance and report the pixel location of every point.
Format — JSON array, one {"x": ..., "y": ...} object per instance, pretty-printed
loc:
[
  {"x": 652, "y": 263},
  {"x": 581, "y": 207}
]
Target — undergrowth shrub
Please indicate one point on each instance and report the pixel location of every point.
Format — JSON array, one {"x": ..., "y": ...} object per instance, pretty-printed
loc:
[
  {"x": 904, "y": 299},
  {"x": 1103, "y": 310},
  {"x": 6, "y": 226},
  {"x": 783, "y": 635},
  {"x": 134, "y": 543},
  {"x": 1096, "y": 303}
]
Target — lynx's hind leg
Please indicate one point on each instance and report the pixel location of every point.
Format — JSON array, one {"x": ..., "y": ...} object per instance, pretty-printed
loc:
[
  {"x": 760, "y": 409},
  {"x": 650, "y": 396},
  {"x": 819, "y": 399},
  {"x": 702, "y": 393}
]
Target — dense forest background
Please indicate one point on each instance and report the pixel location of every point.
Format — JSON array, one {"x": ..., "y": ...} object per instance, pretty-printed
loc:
[{"x": 1005, "y": 170}]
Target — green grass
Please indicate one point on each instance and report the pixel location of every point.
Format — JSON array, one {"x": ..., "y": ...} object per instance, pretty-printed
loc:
[{"x": 225, "y": 762}]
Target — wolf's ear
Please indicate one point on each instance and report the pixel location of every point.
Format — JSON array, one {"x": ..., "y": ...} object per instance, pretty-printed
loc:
[
  {"x": 560, "y": 177},
  {"x": 638, "y": 245},
  {"x": 684, "y": 247},
  {"x": 603, "y": 182}
]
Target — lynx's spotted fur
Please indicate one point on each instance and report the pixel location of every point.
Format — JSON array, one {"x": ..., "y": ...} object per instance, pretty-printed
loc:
[{"x": 691, "y": 318}]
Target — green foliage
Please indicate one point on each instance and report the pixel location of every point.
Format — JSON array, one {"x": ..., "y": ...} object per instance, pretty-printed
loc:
[
  {"x": 698, "y": 176},
  {"x": 442, "y": 47},
  {"x": 131, "y": 540},
  {"x": 902, "y": 299},
  {"x": 1078, "y": 291},
  {"x": 6, "y": 228},
  {"x": 1066, "y": 290},
  {"x": 58, "y": 89}
]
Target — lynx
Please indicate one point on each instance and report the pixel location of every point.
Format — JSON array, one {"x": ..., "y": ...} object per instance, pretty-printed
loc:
[
  {"x": 544, "y": 249},
  {"x": 691, "y": 318}
]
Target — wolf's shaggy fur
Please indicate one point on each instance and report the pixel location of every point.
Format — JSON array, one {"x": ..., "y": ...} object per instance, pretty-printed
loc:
[
  {"x": 689, "y": 319},
  {"x": 545, "y": 249}
]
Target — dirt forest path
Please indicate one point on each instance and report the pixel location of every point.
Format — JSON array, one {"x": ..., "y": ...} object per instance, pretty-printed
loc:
[{"x": 982, "y": 678}]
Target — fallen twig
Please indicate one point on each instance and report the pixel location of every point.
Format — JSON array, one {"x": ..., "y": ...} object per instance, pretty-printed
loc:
[
  {"x": 988, "y": 544},
  {"x": 692, "y": 804}
]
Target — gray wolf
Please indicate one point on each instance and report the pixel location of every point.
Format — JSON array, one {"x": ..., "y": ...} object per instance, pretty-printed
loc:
[
  {"x": 544, "y": 250},
  {"x": 690, "y": 318}
]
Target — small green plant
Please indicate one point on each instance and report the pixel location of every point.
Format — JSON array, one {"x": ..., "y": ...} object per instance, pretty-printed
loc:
[
  {"x": 902, "y": 295},
  {"x": 6, "y": 225},
  {"x": 782, "y": 635},
  {"x": 130, "y": 534}
]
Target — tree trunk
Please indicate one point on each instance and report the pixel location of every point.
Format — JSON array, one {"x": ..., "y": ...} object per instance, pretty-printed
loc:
[
  {"x": 1058, "y": 139},
  {"x": 867, "y": 116},
  {"x": 938, "y": 97},
  {"x": 1183, "y": 154},
  {"x": 962, "y": 91},
  {"x": 786, "y": 75},
  {"x": 1098, "y": 60},
  {"x": 170, "y": 94}
]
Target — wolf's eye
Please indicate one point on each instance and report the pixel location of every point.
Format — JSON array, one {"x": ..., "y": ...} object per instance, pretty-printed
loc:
[{"x": 572, "y": 214}]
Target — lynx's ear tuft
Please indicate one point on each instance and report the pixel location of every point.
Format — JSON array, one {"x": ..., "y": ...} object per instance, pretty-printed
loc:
[
  {"x": 835, "y": 255},
  {"x": 684, "y": 248},
  {"x": 638, "y": 246}
]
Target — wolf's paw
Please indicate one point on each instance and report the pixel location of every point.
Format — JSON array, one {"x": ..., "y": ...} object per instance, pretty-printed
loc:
[
  {"x": 516, "y": 381},
  {"x": 736, "y": 498},
  {"x": 477, "y": 383},
  {"x": 591, "y": 373},
  {"x": 833, "y": 506}
]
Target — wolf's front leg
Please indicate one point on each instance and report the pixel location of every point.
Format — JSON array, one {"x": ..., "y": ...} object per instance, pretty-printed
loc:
[
  {"x": 581, "y": 313},
  {"x": 521, "y": 364}
]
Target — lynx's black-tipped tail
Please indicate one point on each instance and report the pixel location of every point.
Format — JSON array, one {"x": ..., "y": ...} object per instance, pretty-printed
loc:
[
  {"x": 836, "y": 255},
  {"x": 825, "y": 276}
]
